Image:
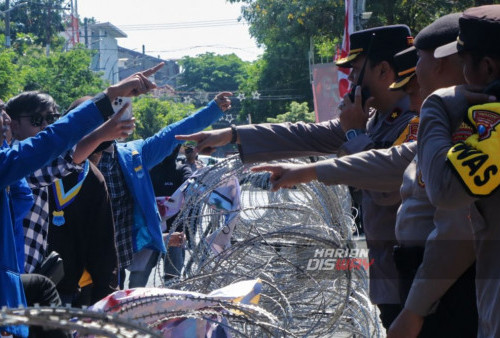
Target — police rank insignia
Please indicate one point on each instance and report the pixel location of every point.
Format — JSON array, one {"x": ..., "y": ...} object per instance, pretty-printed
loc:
[
  {"x": 476, "y": 160},
  {"x": 394, "y": 115}
]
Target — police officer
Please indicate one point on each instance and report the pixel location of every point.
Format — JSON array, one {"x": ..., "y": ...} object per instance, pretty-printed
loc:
[
  {"x": 353, "y": 132},
  {"x": 444, "y": 271},
  {"x": 458, "y": 174}
]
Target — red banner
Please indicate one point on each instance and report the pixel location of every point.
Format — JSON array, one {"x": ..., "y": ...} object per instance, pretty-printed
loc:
[{"x": 325, "y": 91}]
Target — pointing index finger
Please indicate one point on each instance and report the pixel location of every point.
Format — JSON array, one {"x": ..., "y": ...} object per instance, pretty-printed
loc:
[
  {"x": 220, "y": 95},
  {"x": 264, "y": 167},
  {"x": 152, "y": 70},
  {"x": 191, "y": 137}
]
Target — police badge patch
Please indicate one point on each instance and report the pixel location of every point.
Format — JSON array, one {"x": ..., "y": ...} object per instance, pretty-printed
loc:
[
  {"x": 476, "y": 160},
  {"x": 410, "y": 133}
]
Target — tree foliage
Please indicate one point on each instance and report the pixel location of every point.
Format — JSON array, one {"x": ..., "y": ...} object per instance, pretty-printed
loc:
[
  {"x": 10, "y": 81},
  {"x": 212, "y": 73},
  {"x": 286, "y": 28},
  {"x": 42, "y": 18},
  {"x": 414, "y": 13},
  {"x": 66, "y": 76},
  {"x": 298, "y": 112},
  {"x": 152, "y": 114},
  {"x": 250, "y": 84}
]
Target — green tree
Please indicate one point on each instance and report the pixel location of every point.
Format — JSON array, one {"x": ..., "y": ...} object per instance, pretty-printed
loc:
[
  {"x": 43, "y": 18},
  {"x": 211, "y": 73},
  {"x": 152, "y": 114},
  {"x": 64, "y": 75},
  {"x": 249, "y": 84},
  {"x": 10, "y": 81},
  {"x": 286, "y": 28},
  {"x": 414, "y": 13},
  {"x": 298, "y": 112}
]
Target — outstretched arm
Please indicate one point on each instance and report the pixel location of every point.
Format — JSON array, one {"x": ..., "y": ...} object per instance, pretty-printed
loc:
[
  {"x": 377, "y": 170},
  {"x": 160, "y": 145},
  {"x": 288, "y": 175},
  {"x": 208, "y": 141},
  {"x": 37, "y": 151}
]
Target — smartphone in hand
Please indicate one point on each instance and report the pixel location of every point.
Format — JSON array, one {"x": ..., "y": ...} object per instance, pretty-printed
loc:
[{"x": 118, "y": 104}]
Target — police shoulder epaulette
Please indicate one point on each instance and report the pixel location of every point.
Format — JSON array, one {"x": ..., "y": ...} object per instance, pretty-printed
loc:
[{"x": 410, "y": 133}]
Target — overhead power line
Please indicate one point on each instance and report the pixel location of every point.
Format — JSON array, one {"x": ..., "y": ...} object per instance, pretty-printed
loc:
[{"x": 181, "y": 25}]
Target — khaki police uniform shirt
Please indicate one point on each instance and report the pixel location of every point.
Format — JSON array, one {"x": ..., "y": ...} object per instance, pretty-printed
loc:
[
  {"x": 446, "y": 235},
  {"x": 419, "y": 223},
  {"x": 442, "y": 113},
  {"x": 274, "y": 141}
]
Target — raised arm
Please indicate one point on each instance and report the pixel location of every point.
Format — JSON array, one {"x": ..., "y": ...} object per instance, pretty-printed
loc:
[
  {"x": 37, "y": 151},
  {"x": 160, "y": 145}
]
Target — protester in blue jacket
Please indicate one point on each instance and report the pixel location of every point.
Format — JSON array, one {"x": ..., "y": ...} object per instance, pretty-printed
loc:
[
  {"x": 38, "y": 151},
  {"x": 137, "y": 222}
]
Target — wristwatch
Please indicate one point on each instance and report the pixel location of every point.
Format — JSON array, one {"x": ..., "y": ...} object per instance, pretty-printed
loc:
[{"x": 353, "y": 133}]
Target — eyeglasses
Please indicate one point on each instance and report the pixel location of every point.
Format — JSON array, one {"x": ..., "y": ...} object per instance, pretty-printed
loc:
[{"x": 36, "y": 120}]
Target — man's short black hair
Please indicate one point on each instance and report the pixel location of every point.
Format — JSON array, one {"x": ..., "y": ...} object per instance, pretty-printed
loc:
[{"x": 29, "y": 103}]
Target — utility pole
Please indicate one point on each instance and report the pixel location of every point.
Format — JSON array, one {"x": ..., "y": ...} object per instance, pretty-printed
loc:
[
  {"x": 85, "y": 29},
  {"x": 359, "y": 8},
  {"x": 7, "y": 19},
  {"x": 360, "y": 16},
  {"x": 7, "y": 24},
  {"x": 75, "y": 22},
  {"x": 48, "y": 35}
]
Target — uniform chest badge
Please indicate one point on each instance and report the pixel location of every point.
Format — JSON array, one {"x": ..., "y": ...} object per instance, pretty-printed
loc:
[{"x": 486, "y": 121}]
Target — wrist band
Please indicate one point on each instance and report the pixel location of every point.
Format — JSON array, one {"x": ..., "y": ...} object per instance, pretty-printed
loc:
[
  {"x": 103, "y": 103},
  {"x": 353, "y": 133},
  {"x": 234, "y": 134}
]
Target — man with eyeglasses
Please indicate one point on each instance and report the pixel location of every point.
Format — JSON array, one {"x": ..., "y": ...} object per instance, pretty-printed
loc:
[{"x": 39, "y": 119}]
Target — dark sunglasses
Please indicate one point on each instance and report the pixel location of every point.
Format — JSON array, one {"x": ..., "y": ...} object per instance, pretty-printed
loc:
[{"x": 36, "y": 120}]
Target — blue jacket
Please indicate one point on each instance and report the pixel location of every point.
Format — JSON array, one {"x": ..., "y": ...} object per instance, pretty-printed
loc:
[
  {"x": 21, "y": 201},
  {"x": 137, "y": 157},
  {"x": 21, "y": 198},
  {"x": 33, "y": 153}
]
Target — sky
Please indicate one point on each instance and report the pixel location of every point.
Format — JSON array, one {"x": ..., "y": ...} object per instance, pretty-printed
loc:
[{"x": 200, "y": 26}]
